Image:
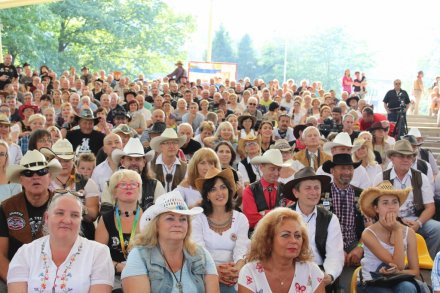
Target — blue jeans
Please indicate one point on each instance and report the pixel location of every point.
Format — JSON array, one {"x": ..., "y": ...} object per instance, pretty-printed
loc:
[
  {"x": 403, "y": 287},
  {"x": 431, "y": 231},
  {"x": 227, "y": 289}
]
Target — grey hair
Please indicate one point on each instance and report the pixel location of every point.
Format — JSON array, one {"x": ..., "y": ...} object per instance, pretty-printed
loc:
[{"x": 53, "y": 203}]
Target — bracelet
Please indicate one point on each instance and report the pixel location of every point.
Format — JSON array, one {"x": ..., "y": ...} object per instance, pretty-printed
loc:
[
  {"x": 420, "y": 223},
  {"x": 360, "y": 244}
]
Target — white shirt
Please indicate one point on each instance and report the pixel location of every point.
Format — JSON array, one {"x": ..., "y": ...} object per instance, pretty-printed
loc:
[
  {"x": 407, "y": 209},
  {"x": 101, "y": 174},
  {"x": 242, "y": 170},
  {"x": 92, "y": 265},
  {"x": 190, "y": 195},
  {"x": 165, "y": 169},
  {"x": 334, "y": 246},
  {"x": 429, "y": 174},
  {"x": 14, "y": 154},
  {"x": 360, "y": 177},
  {"x": 373, "y": 170}
]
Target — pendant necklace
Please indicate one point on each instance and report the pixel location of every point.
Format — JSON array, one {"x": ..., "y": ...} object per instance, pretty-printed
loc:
[{"x": 178, "y": 282}]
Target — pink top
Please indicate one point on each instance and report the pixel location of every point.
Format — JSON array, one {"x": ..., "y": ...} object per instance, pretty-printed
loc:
[{"x": 347, "y": 83}]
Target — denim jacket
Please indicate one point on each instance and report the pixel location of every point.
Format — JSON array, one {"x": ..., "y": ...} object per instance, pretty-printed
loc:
[{"x": 161, "y": 278}]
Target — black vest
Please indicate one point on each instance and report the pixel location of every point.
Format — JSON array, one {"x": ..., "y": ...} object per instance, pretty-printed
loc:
[
  {"x": 249, "y": 170},
  {"x": 148, "y": 188},
  {"x": 260, "y": 200}
]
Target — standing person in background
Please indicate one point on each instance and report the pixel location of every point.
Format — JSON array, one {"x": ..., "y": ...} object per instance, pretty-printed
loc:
[
  {"x": 8, "y": 72},
  {"x": 418, "y": 91},
  {"x": 178, "y": 73},
  {"x": 394, "y": 99},
  {"x": 347, "y": 81}
]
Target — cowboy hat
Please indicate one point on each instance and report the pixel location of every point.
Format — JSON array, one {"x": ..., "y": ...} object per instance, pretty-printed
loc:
[
  {"x": 27, "y": 106},
  {"x": 34, "y": 161},
  {"x": 4, "y": 119},
  {"x": 158, "y": 127},
  {"x": 415, "y": 131},
  {"x": 270, "y": 156},
  {"x": 352, "y": 98},
  {"x": 244, "y": 117},
  {"x": 62, "y": 149},
  {"x": 368, "y": 196},
  {"x": 412, "y": 139},
  {"x": 341, "y": 139},
  {"x": 168, "y": 134},
  {"x": 340, "y": 160},
  {"x": 169, "y": 202},
  {"x": 306, "y": 173},
  {"x": 179, "y": 63},
  {"x": 402, "y": 147},
  {"x": 376, "y": 126},
  {"x": 133, "y": 148},
  {"x": 121, "y": 113},
  {"x": 282, "y": 145},
  {"x": 86, "y": 114},
  {"x": 226, "y": 174},
  {"x": 124, "y": 128},
  {"x": 248, "y": 138}
]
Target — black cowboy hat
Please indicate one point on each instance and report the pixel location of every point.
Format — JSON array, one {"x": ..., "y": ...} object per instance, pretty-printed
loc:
[
  {"x": 86, "y": 114},
  {"x": 306, "y": 173},
  {"x": 157, "y": 128},
  {"x": 298, "y": 128},
  {"x": 340, "y": 160},
  {"x": 351, "y": 98}
]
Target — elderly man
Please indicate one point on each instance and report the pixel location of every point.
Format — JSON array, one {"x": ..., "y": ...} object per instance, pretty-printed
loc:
[
  {"x": 21, "y": 216},
  {"x": 251, "y": 108},
  {"x": 86, "y": 138},
  {"x": 347, "y": 127},
  {"x": 191, "y": 146},
  {"x": 312, "y": 155},
  {"x": 194, "y": 118},
  {"x": 419, "y": 208},
  {"x": 264, "y": 195},
  {"x": 342, "y": 145},
  {"x": 167, "y": 167},
  {"x": 114, "y": 106},
  {"x": 324, "y": 229}
]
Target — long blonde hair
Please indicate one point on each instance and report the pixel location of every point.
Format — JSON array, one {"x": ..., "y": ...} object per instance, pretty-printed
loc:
[
  {"x": 200, "y": 155},
  {"x": 371, "y": 159}
]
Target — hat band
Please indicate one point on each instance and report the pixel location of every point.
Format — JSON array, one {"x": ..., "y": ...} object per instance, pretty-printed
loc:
[
  {"x": 34, "y": 164},
  {"x": 64, "y": 153}
]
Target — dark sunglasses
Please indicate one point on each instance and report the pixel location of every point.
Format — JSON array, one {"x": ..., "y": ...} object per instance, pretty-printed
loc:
[{"x": 30, "y": 173}]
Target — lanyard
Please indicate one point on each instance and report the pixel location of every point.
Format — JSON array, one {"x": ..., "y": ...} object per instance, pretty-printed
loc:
[{"x": 133, "y": 229}]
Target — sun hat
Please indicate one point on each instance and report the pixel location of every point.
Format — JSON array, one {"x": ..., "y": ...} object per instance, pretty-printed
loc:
[
  {"x": 169, "y": 202},
  {"x": 133, "y": 148},
  {"x": 412, "y": 139},
  {"x": 368, "y": 196},
  {"x": 402, "y": 147},
  {"x": 27, "y": 106},
  {"x": 306, "y": 173},
  {"x": 168, "y": 134},
  {"x": 34, "y": 161},
  {"x": 271, "y": 156},
  {"x": 226, "y": 174},
  {"x": 282, "y": 145},
  {"x": 124, "y": 128},
  {"x": 244, "y": 117},
  {"x": 340, "y": 160},
  {"x": 62, "y": 149},
  {"x": 35, "y": 117},
  {"x": 4, "y": 119},
  {"x": 86, "y": 114},
  {"x": 341, "y": 139}
]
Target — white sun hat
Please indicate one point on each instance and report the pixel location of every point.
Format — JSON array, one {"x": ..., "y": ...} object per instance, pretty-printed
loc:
[
  {"x": 169, "y": 202},
  {"x": 341, "y": 139}
]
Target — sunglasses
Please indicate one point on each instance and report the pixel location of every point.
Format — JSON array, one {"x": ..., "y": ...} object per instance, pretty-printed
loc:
[
  {"x": 60, "y": 192},
  {"x": 30, "y": 173},
  {"x": 252, "y": 104}
]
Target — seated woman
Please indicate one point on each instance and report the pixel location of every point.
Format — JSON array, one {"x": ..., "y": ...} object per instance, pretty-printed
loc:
[
  {"x": 220, "y": 229},
  {"x": 164, "y": 257},
  {"x": 280, "y": 259},
  {"x": 203, "y": 160},
  {"x": 117, "y": 229},
  {"x": 379, "y": 142},
  {"x": 246, "y": 124},
  {"x": 62, "y": 261},
  {"x": 6, "y": 189},
  {"x": 249, "y": 148},
  {"x": 386, "y": 242},
  {"x": 366, "y": 155}
]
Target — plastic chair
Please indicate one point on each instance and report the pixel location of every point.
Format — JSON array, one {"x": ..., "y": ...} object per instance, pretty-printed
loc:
[
  {"x": 354, "y": 279},
  {"x": 425, "y": 260}
]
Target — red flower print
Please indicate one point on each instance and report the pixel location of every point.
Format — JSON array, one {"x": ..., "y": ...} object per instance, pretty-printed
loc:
[
  {"x": 259, "y": 267},
  {"x": 299, "y": 288},
  {"x": 249, "y": 280}
]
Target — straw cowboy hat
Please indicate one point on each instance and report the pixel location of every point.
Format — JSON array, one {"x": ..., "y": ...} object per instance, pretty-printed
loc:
[
  {"x": 248, "y": 138},
  {"x": 306, "y": 173},
  {"x": 34, "y": 161},
  {"x": 272, "y": 156},
  {"x": 168, "y": 134},
  {"x": 339, "y": 160},
  {"x": 169, "y": 202},
  {"x": 384, "y": 188},
  {"x": 226, "y": 174},
  {"x": 4, "y": 119},
  {"x": 282, "y": 145},
  {"x": 341, "y": 139},
  {"x": 133, "y": 148},
  {"x": 402, "y": 147},
  {"x": 62, "y": 149}
]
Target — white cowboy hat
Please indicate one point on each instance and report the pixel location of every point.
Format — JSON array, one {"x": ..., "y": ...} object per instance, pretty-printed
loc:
[
  {"x": 133, "y": 148},
  {"x": 33, "y": 160},
  {"x": 168, "y": 202},
  {"x": 415, "y": 131},
  {"x": 168, "y": 134},
  {"x": 62, "y": 149},
  {"x": 271, "y": 156},
  {"x": 341, "y": 139}
]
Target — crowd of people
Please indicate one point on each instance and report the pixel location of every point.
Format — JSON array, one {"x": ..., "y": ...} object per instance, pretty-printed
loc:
[{"x": 171, "y": 185}]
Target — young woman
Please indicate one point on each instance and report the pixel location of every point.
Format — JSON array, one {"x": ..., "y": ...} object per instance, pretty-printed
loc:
[
  {"x": 366, "y": 155},
  {"x": 379, "y": 142},
  {"x": 6, "y": 189},
  {"x": 137, "y": 121},
  {"x": 265, "y": 135},
  {"x": 347, "y": 82},
  {"x": 232, "y": 118},
  {"x": 246, "y": 124}
]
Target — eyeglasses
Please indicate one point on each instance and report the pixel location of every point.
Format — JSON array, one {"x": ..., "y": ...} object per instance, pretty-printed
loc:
[
  {"x": 252, "y": 104},
  {"x": 125, "y": 185},
  {"x": 3, "y": 154},
  {"x": 30, "y": 173},
  {"x": 251, "y": 143}
]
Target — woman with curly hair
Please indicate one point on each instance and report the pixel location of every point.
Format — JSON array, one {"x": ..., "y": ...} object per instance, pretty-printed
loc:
[{"x": 280, "y": 259}]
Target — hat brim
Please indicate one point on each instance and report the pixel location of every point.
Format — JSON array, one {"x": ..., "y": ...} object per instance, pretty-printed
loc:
[
  {"x": 226, "y": 174},
  {"x": 288, "y": 187},
  {"x": 352, "y": 98},
  {"x": 327, "y": 147},
  {"x": 13, "y": 172},
  {"x": 157, "y": 141},
  {"x": 117, "y": 155},
  {"x": 328, "y": 165},
  {"x": 389, "y": 153},
  {"x": 154, "y": 211},
  {"x": 368, "y": 196},
  {"x": 264, "y": 160},
  {"x": 297, "y": 129},
  {"x": 48, "y": 153},
  {"x": 95, "y": 119}
]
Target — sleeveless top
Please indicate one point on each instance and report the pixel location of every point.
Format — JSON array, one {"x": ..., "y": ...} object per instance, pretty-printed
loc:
[
  {"x": 370, "y": 262},
  {"x": 113, "y": 237}
]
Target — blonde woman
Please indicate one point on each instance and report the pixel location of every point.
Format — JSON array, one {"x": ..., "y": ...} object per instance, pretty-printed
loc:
[
  {"x": 6, "y": 189},
  {"x": 225, "y": 131},
  {"x": 379, "y": 142},
  {"x": 365, "y": 154}
]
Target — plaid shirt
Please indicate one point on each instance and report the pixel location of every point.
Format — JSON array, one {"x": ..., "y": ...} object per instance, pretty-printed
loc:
[
  {"x": 24, "y": 144},
  {"x": 343, "y": 207}
]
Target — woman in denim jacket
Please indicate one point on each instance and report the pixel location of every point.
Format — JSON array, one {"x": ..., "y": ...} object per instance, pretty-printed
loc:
[{"x": 164, "y": 258}]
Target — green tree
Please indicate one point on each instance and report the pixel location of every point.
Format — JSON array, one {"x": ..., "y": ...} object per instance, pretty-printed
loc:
[
  {"x": 222, "y": 47},
  {"x": 246, "y": 58}
]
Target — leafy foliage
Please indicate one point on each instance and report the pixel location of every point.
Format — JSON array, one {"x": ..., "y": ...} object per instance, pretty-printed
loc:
[
  {"x": 222, "y": 47},
  {"x": 247, "y": 60}
]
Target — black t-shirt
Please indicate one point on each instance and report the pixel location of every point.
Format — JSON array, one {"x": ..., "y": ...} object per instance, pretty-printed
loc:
[
  {"x": 392, "y": 99},
  {"x": 113, "y": 237},
  {"x": 10, "y": 71},
  {"x": 191, "y": 148},
  {"x": 88, "y": 142}
]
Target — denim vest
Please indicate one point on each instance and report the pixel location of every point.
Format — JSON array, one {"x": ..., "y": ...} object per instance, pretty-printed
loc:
[{"x": 161, "y": 278}]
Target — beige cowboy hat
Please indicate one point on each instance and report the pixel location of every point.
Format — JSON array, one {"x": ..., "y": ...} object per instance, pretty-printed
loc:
[
  {"x": 341, "y": 139},
  {"x": 169, "y": 202},
  {"x": 62, "y": 149},
  {"x": 270, "y": 156},
  {"x": 34, "y": 161},
  {"x": 368, "y": 196},
  {"x": 248, "y": 138},
  {"x": 133, "y": 148},
  {"x": 168, "y": 134},
  {"x": 282, "y": 145},
  {"x": 4, "y": 119},
  {"x": 226, "y": 174},
  {"x": 124, "y": 128},
  {"x": 402, "y": 147}
]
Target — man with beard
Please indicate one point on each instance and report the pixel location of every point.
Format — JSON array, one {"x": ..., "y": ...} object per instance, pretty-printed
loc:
[
  {"x": 132, "y": 157},
  {"x": 8, "y": 72},
  {"x": 21, "y": 216},
  {"x": 284, "y": 131}
]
